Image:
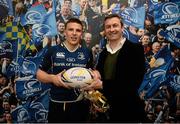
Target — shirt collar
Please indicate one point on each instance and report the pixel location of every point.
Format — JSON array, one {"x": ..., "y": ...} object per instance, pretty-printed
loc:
[
  {"x": 63, "y": 44},
  {"x": 119, "y": 46}
]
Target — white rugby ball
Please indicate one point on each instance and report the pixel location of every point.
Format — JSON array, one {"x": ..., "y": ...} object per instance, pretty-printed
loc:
[{"x": 77, "y": 77}]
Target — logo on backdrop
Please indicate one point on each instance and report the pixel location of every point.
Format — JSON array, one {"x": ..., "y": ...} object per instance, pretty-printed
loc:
[
  {"x": 41, "y": 114},
  {"x": 126, "y": 33},
  {"x": 23, "y": 115},
  {"x": 33, "y": 17},
  {"x": 157, "y": 72},
  {"x": 130, "y": 14},
  {"x": 6, "y": 46},
  {"x": 170, "y": 11},
  {"x": 41, "y": 29},
  {"x": 175, "y": 30},
  {"x": 169, "y": 8},
  {"x": 28, "y": 67}
]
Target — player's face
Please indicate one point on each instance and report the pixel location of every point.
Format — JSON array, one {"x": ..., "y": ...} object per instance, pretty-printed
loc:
[
  {"x": 73, "y": 33},
  {"x": 113, "y": 29}
]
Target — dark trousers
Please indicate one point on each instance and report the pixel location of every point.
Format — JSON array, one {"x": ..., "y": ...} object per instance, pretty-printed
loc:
[{"x": 68, "y": 112}]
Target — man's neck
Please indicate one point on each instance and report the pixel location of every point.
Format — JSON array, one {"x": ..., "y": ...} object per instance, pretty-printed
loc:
[
  {"x": 71, "y": 47},
  {"x": 113, "y": 44},
  {"x": 61, "y": 33}
]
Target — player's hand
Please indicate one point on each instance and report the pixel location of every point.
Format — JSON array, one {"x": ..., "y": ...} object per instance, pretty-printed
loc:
[{"x": 58, "y": 81}]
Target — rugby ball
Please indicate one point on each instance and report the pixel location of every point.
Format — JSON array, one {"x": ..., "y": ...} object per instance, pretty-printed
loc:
[{"x": 77, "y": 77}]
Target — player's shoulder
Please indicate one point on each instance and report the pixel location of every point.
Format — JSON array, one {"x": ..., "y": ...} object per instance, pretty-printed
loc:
[
  {"x": 84, "y": 49},
  {"x": 56, "y": 47}
]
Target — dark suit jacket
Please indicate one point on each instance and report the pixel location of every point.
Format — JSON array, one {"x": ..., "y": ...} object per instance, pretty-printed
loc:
[{"x": 122, "y": 91}]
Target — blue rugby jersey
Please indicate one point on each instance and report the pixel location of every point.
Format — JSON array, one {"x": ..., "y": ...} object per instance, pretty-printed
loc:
[{"x": 58, "y": 58}]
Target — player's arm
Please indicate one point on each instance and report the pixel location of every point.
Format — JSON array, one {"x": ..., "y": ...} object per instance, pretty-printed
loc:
[{"x": 44, "y": 77}]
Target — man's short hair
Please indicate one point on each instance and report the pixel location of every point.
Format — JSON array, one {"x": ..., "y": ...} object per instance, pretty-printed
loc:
[
  {"x": 113, "y": 16},
  {"x": 73, "y": 20},
  {"x": 68, "y": 0}
]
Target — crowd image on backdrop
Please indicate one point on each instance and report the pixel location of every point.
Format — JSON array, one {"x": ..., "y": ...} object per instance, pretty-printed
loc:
[{"x": 131, "y": 46}]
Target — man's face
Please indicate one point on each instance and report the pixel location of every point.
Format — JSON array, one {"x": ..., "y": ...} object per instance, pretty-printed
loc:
[
  {"x": 83, "y": 3},
  {"x": 140, "y": 32},
  {"x": 3, "y": 80},
  {"x": 65, "y": 10},
  {"x": 92, "y": 3},
  {"x": 61, "y": 27},
  {"x": 88, "y": 38},
  {"x": 113, "y": 29},
  {"x": 73, "y": 33},
  {"x": 145, "y": 40},
  {"x": 68, "y": 3},
  {"x": 148, "y": 24},
  {"x": 156, "y": 47}
]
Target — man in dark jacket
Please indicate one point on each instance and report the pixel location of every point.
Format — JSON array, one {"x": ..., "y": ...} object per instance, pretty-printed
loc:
[{"x": 122, "y": 67}]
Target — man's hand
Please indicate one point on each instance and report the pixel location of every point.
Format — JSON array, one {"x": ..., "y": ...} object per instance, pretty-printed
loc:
[
  {"x": 96, "y": 84},
  {"x": 56, "y": 79}
]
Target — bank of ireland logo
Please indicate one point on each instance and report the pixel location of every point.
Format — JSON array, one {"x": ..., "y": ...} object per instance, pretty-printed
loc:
[
  {"x": 33, "y": 17},
  {"x": 71, "y": 59},
  {"x": 41, "y": 29}
]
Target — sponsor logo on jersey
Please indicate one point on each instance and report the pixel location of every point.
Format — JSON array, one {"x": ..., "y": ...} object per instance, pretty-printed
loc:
[
  {"x": 60, "y": 55},
  {"x": 70, "y": 59},
  {"x": 81, "y": 56}
]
